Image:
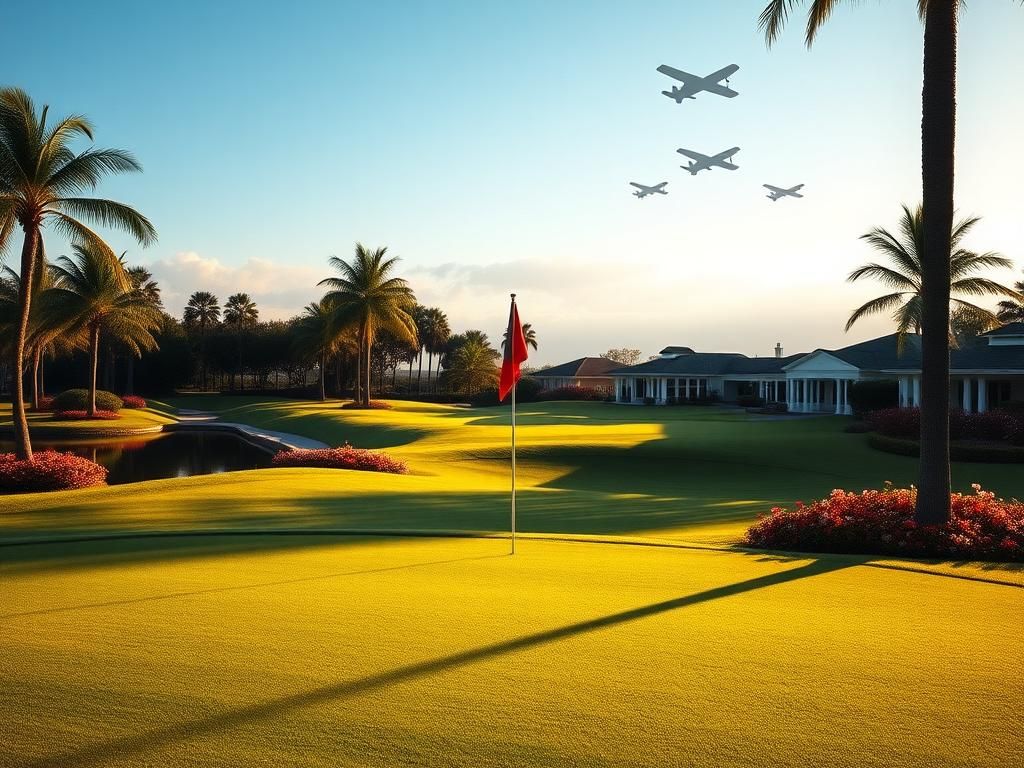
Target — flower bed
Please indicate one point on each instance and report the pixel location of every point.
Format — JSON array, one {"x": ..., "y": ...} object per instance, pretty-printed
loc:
[
  {"x": 345, "y": 457},
  {"x": 45, "y": 405},
  {"x": 48, "y": 471},
  {"x": 982, "y": 526},
  {"x": 100, "y": 415},
  {"x": 132, "y": 401},
  {"x": 572, "y": 393},
  {"x": 375, "y": 405}
]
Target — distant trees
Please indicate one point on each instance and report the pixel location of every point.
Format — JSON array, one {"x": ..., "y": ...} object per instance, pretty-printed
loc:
[
  {"x": 202, "y": 312},
  {"x": 93, "y": 294},
  {"x": 625, "y": 356},
  {"x": 529, "y": 333},
  {"x": 41, "y": 182},
  {"x": 369, "y": 297},
  {"x": 434, "y": 335},
  {"x": 472, "y": 367},
  {"x": 1012, "y": 310},
  {"x": 240, "y": 310},
  {"x": 903, "y": 276}
]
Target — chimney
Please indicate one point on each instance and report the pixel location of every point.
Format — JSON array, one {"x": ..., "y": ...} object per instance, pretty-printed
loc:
[{"x": 778, "y": 349}]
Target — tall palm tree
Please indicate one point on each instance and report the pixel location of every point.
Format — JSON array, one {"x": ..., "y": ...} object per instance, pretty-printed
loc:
[
  {"x": 529, "y": 333},
  {"x": 143, "y": 282},
  {"x": 93, "y": 293},
  {"x": 435, "y": 336},
  {"x": 368, "y": 297},
  {"x": 904, "y": 277},
  {"x": 42, "y": 181},
  {"x": 419, "y": 317},
  {"x": 316, "y": 337},
  {"x": 202, "y": 311},
  {"x": 241, "y": 310},
  {"x": 472, "y": 367},
  {"x": 1012, "y": 311},
  {"x": 938, "y": 130}
]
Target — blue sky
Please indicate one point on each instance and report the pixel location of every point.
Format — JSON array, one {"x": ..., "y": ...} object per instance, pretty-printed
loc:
[{"x": 490, "y": 145}]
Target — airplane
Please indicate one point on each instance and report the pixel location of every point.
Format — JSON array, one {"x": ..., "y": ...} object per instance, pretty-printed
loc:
[
  {"x": 642, "y": 191},
  {"x": 699, "y": 162},
  {"x": 777, "y": 193},
  {"x": 694, "y": 84}
]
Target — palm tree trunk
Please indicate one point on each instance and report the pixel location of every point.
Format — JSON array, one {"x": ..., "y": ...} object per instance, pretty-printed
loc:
[
  {"x": 94, "y": 359},
  {"x": 42, "y": 379},
  {"x": 22, "y": 440},
  {"x": 323, "y": 378},
  {"x": 430, "y": 366},
  {"x": 410, "y": 375},
  {"x": 938, "y": 132},
  {"x": 35, "y": 378},
  {"x": 419, "y": 374},
  {"x": 368, "y": 347},
  {"x": 437, "y": 378}
]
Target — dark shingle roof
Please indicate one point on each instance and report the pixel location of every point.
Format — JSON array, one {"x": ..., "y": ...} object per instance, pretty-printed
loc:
[
  {"x": 584, "y": 366},
  {"x": 881, "y": 355},
  {"x": 676, "y": 351},
  {"x": 1010, "y": 329},
  {"x": 709, "y": 364}
]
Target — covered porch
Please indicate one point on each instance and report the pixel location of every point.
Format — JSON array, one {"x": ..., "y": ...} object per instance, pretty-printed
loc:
[{"x": 819, "y": 395}]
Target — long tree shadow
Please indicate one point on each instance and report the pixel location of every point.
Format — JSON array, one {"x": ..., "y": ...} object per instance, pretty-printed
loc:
[{"x": 137, "y": 744}]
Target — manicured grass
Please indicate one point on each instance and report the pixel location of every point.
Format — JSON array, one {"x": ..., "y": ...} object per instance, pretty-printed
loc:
[
  {"x": 370, "y": 652},
  {"x": 44, "y": 425},
  {"x": 270, "y": 649}
]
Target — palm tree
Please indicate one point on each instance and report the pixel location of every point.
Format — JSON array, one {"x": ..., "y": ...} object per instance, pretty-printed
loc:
[
  {"x": 202, "y": 311},
  {"x": 1012, "y": 311},
  {"x": 143, "y": 282},
  {"x": 368, "y": 297},
  {"x": 435, "y": 336},
  {"x": 904, "y": 277},
  {"x": 419, "y": 317},
  {"x": 316, "y": 337},
  {"x": 41, "y": 183},
  {"x": 528, "y": 333},
  {"x": 93, "y": 293},
  {"x": 472, "y": 367},
  {"x": 241, "y": 310},
  {"x": 938, "y": 130}
]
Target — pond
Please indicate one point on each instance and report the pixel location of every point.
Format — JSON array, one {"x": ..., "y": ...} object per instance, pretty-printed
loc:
[{"x": 168, "y": 454}]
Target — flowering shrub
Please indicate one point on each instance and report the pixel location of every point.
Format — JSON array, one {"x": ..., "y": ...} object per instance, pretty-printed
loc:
[
  {"x": 345, "y": 457},
  {"x": 1001, "y": 426},
  {"x": 48, "y": 471},
  {"x": 982, "y": 527},
  {"x": 132, "y": 401},
  {"x": 78, "y": 400},
  {"x": 572, "y": 393},
  {"x": 45, "y": 404},
  {"x": 84, "y": 415},
  {"x": 375, "y": 405}
]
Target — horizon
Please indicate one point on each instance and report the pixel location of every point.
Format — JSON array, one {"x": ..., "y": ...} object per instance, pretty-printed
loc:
[{"x": 489, "y": 171}]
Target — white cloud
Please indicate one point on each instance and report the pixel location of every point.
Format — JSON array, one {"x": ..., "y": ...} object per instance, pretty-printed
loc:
[{"x": 280, "y": 290}]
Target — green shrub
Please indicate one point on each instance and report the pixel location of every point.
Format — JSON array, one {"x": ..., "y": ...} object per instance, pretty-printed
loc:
[
  {"x": 78, "y": 400},
  {"x": 868, "y": 396},
  {"x": 978, "y": 453}
]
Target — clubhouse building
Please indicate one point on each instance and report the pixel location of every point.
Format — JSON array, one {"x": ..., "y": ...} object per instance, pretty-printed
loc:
[{"x": 985, "y": 373}]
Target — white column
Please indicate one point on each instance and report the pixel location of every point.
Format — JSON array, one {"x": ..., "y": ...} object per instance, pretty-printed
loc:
[
  {"x": 838, "y": 389},
  {"x": 982, "y": 396},
  {"x": 847, "y": 408},
  {"x": 917, "y": 391},
  {"x": 903, "y": 391},
  {"x": 967, "y": 395}
]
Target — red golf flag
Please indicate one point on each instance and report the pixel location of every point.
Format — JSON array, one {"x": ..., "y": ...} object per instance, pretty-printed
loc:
[{"x": 515, "y": 353}]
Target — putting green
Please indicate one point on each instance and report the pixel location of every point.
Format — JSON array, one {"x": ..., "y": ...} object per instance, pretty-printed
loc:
[{"x": 370, "y": 652}]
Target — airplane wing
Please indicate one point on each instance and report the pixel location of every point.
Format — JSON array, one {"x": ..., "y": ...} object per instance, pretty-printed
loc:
[
  {"x": 797, "y": 188},
  {"x": 711, "y": 84},
  {"x": 776, "y": 190},
  {"x": 723, "y": 73},
  {"x": 727, "y": 165},
  {"x": 638, "y": 186},
  {"x": 676, "y": 74},
  {"x": 693, "y": 155}
]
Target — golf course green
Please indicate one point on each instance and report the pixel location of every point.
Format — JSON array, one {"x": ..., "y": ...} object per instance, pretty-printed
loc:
[{"x": 274, "y": 617}]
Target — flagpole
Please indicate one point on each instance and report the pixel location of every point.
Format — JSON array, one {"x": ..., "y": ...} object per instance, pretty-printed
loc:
[{"x": 513, "y": 453}]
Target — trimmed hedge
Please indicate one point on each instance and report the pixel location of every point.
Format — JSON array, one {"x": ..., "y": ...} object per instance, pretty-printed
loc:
[
  {"x": 375, "y": 405},
  {"x": 527, "y": 391},
  {"x": 983, "y": 453},
  {"x": 345, "y": 457},
  {"x": 78, "y": 400},
  {"x": 48, "y": 471},
  {"x": 998, "y": 426},
  {"x": 45, "y": 405},
  {"x": 132, "y": 401},
  {"x": 982, "y": 527},
  {"x": 589, "y": 394}
]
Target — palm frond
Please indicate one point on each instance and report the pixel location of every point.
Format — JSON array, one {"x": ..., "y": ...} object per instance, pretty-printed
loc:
[
  {"x": 880, "y": 304},
  {"x": 111, "y": 214},
  {"x": 980, "y": 286},
  {"x": 886, "y": 275}
]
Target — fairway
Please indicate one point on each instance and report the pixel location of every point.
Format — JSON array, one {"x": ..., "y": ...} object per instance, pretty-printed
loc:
[
  {"x": 362, "y": 652},
  {"x": 628, "y": 630}
]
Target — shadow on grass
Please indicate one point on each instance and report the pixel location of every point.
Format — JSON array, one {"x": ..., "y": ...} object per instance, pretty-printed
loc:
[{"x": 138, "y": 744}]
